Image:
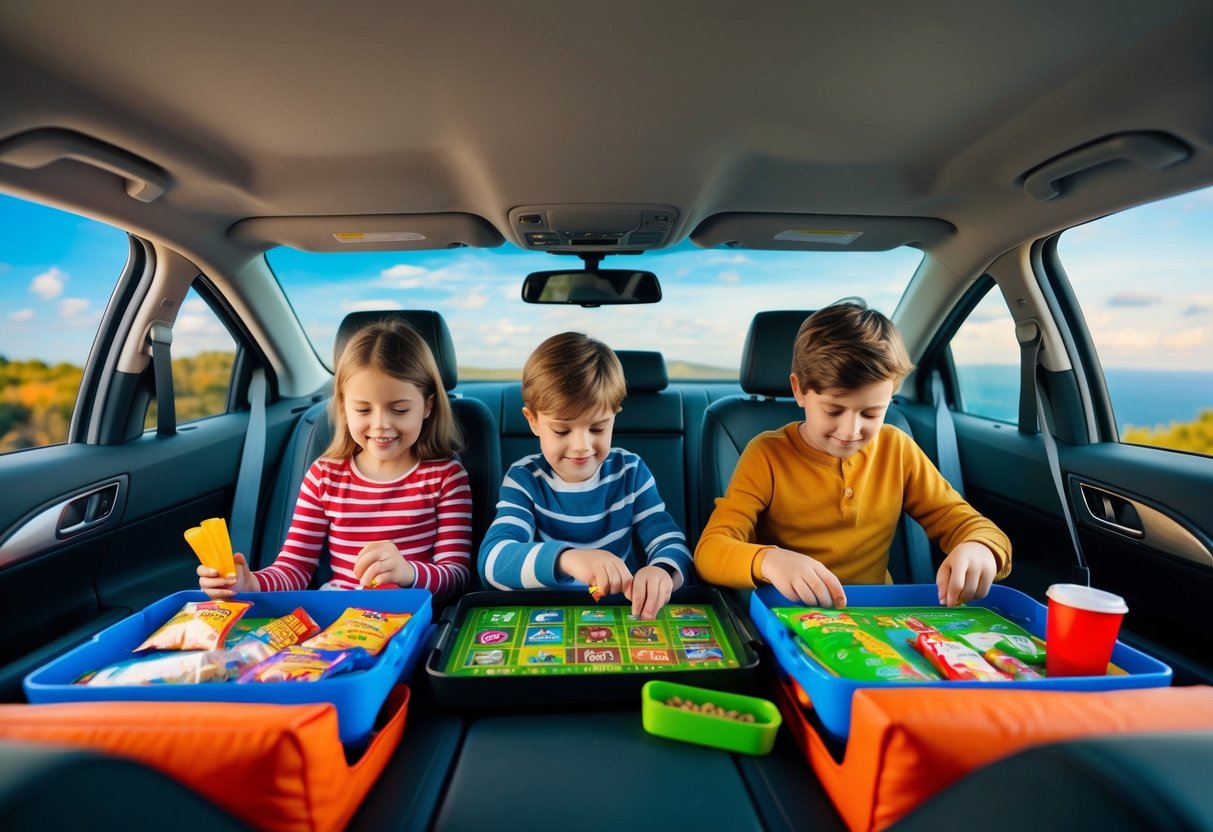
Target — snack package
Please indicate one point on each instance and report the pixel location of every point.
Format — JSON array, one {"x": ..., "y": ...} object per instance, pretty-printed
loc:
[
  {"x": 286, "y": 630},
  {"x": 1010, "y": 665},
  {"x": 1023, "y": 648},
  {"x": 301, "y": 664},
  {"x": 951, "y": 657},
  {"x": 199, "y": 625},
  {"x": 845, "y": 645},
  {"x": 358, "y": 627},
  {"x": 182, "y": 667}
]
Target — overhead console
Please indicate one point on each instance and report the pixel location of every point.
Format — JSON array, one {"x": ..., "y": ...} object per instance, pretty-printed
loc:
[{"x": 582, "y": 228}]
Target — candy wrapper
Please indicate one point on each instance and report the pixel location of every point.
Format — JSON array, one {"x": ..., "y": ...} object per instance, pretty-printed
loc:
[
  {"x": 301, "y": 664},
  {"x": 199, "y": 625}
]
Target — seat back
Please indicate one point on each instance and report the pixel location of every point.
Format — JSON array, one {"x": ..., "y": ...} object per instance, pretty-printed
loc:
[
  {"x": 731, "y": 422},
  {"x": 481, "y": 456}
]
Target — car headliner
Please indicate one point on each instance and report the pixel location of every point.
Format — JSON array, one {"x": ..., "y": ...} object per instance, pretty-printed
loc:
[{"x": 885, "y": 108}]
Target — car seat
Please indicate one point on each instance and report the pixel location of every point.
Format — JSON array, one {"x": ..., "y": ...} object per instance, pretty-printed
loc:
[
  {"x": 481, "y": 456},
  {"x": 729, "y": 424}
]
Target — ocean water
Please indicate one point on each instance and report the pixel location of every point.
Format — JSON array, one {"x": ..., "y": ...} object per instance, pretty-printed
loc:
[{"x": 1140, "y": 398}]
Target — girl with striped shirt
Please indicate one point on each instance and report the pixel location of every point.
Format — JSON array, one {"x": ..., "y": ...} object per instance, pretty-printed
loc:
[{"x": 388, "y": 497}]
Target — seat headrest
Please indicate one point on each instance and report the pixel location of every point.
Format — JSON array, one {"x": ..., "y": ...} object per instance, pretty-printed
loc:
[
  {"x": 643, "y": 370},
  {"x": 766, "y": 360},
  {"x": 430, "y": 324}
]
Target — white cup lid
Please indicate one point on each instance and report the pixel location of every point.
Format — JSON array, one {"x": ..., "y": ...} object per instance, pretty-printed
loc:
[{"x": 1085, "y": 598}]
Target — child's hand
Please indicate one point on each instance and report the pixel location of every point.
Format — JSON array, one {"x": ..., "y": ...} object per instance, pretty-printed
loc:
[
  {"x": 381, "y": 563},
  {"x": 966, "y": 573},
  {"x": 651, "y": 589},
  {"x": 801, "y": 577},
  {"x": 596, "y": 567},
  {"x": 225, "y": 586}
]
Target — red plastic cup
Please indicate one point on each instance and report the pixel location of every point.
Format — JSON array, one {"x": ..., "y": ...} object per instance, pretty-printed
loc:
[{"x": 1081, "y": 630}]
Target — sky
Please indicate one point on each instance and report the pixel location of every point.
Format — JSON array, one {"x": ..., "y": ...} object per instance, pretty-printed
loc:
[{"x": 1142, "y": 278}]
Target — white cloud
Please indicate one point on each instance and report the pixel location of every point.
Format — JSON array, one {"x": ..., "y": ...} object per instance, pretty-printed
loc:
[
  {"x": 730, "y": 277},
  {"x": 403, "y": 270},
  {"x": 49, "y": 284},
  {"x": 369, "y": 305},
  {"x": 22, "y": 316},
  {"x": 1187, "y": 340},
  {"x": 73, "y": 308},
  {"x": 472, "y": 299}
]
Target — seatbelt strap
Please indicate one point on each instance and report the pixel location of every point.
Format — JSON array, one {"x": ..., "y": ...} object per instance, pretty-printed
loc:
[
  {"x": 1039, "y": 409},
  {"x": 945, "y": 437},
  {"x": 252, "y": 462},
  {"x": 159, "y": 342}
]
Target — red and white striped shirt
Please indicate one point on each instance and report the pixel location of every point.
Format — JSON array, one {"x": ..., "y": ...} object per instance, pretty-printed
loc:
[{"x": 427, "y": 513}]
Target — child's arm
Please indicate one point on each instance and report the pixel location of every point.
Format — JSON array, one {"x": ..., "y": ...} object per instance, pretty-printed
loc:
[
  {"x": 966, "y": 573},
  {"x": 800, "y": 577},
  {"x": 662, "y": 539},
  {"x": 727, "y": 549},
  {"x": 511, "y": 554},
  {"x": 669, "y": 561},
  {"x": 225, "y": 586},
  {"x": 652, "y": 586},
  {"x": 596, "y": 567},
  {"x": 305, "y": 540},
  {"x": 447, "y": 572}
]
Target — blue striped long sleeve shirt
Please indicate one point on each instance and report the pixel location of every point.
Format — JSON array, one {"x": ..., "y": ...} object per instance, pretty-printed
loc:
[{"x": 540, "y": 515}]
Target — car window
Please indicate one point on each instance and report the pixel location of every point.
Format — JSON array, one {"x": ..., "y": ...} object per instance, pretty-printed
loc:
[
  {"x": 203, "y": 354},
  {"x": 708, "y": 298},
  {"x": 986, "y": 357},
  {"x": 1142, "y": 278},
  {"x": 57, "y": 271}
]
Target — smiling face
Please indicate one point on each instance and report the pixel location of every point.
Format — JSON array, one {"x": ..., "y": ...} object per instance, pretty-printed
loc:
[
  {"x": 573, "y": 447},
  {"x": 840, "y": 422},
  {"x": 385, "y": 416}
]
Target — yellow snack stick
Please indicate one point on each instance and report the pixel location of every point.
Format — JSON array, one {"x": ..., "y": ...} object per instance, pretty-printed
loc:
[
  {"x": 196, "y": 537},
  {"x": 216, "y": 529}
]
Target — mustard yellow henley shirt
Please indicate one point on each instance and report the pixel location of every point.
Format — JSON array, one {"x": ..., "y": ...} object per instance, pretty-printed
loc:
[{"x": 844, "y": 513}]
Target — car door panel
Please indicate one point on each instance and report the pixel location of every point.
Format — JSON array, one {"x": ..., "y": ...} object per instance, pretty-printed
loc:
[{"x": 137, "y": 554}]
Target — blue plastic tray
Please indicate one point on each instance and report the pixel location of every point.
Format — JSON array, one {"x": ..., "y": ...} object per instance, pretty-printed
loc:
[
  {"x": 831, "y": 695},
  {"x": 358, "y": 695}
]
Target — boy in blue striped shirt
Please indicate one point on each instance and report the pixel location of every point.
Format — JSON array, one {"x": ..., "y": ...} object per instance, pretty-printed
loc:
[{"x": 568, "y": 515}]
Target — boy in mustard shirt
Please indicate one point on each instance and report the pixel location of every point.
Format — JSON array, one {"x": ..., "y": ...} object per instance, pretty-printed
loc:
[{"x": 815, "y": 504}]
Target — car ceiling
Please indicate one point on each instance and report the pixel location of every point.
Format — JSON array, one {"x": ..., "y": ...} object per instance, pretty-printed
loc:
[{"x": 885, "y": 108}]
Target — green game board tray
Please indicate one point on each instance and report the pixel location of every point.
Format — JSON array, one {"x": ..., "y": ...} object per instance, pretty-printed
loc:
[{"x": 535, "y": 648}]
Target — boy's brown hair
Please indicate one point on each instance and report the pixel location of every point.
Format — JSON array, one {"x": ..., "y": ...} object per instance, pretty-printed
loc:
[
  {"x": 397, "y": 349},
  {"x": 847, "y": 345},
  {"x": 571, "y": 373}
]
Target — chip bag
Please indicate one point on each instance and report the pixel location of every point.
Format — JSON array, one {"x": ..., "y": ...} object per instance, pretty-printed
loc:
[
  {"x": 199, "y": 625},
  {"x": 358, "y": 627}
]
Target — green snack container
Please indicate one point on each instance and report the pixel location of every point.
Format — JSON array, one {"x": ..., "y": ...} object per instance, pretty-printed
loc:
[{"x": 677, "y": 723}]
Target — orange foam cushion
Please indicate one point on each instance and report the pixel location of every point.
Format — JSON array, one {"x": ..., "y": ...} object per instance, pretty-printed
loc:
[
  {"x": 907, "y": 744},
  {"x": 277, "y": 767}
]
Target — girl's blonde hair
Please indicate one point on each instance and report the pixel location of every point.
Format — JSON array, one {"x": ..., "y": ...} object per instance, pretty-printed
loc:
[
  {"x": 847, "y": 345},
  {"x": 571, "y": 373},
  {"x": 397, "y": 349}
]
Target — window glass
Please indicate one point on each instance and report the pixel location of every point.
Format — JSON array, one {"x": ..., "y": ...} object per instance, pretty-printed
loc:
[
  {"x": 1142, "y": 278},
  {"x": 986, "y": 356},
  {"x": 203, "y": 354},
  {"x": 708, "y": 298},
  {"x": 57, "y": 271}
]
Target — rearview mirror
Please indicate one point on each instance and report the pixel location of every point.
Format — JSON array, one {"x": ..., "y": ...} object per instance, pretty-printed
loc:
[{"x": 596, "y": 287}]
